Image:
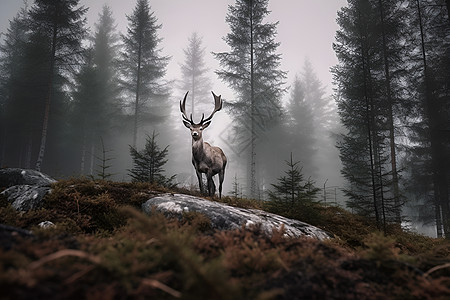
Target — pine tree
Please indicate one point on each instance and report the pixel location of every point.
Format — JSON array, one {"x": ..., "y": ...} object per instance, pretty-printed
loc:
[
  {"x": 194, "y": 71},
  {"x": 292, "y": 194},
  {"x": 60, "y": 25},
  {"x": 87, "y": 112},
  {"x": 14, "y": 114},
  {"x": 105, "y": 46},
  {"x": 251, "y": 68},
  {"x": 430, "y": 73},
  {"x": 149, "y": 162},
  {"x": 96, "y": 106},
  {"x": 236, "y": 190},
  {"x": 143, "y": 65},
  {"x": 366, "y": 107},
  {"x": 322, "y": 107},
  {"x": 103, "y": 167},
  {"x": 301, "y": 126},
  {"x": 325, "y": 120}
]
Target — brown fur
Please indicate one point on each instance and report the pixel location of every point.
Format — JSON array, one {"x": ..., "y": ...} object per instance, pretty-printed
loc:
[
  {"x": 211, "y": 161},
  {"x": 206, "y": 159}
]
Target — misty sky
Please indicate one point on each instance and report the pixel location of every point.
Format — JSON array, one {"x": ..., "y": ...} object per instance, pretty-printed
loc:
[{"x": 306, "y": 29}]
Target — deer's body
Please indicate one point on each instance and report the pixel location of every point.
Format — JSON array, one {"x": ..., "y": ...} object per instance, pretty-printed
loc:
[
  {"x": 206, "y": 159},
  {"x": 209, "y": 160}
]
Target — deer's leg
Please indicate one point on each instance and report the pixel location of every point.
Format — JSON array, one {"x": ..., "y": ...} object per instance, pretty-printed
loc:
[
  {"x": 211, "y": 185},
  {"x": 221, "y": 177},
  {"x": 200, "y": 181}
]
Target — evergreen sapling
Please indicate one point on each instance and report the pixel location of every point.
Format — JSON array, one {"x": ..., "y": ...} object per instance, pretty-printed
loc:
[{"x": 149, "y": 162}]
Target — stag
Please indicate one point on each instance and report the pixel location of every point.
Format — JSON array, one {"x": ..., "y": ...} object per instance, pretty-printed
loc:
[{"x": 205, "y": 158}]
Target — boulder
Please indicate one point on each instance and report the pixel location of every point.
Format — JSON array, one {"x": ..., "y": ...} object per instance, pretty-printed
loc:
[
  {"x": 25, "y": 189},
  {"x": 15, "y": 176},
  {"x": 225, "y": 217},
  {"x": 25, "y": 197}
]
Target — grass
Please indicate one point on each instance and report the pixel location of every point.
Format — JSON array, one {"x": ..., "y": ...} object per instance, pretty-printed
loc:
[{"x": 103, "y": 247}]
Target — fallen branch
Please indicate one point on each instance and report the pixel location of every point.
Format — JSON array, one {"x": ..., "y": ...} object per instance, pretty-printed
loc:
[
  {"x": 434, "y": 269},
  {"x": 62, "y": 253},
  {"x": 159, "y": 285}
]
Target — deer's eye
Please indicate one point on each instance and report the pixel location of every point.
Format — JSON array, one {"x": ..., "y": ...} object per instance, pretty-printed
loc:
[{"x": 201, "y": 128}]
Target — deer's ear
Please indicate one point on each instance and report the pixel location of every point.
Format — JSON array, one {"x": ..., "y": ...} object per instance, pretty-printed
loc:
[
  {"x": 187, "y": 124},
  {"x": 206, "y": 124}
]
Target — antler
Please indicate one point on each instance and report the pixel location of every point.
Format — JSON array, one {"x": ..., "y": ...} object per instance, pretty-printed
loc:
[
  {"x": 217, "y": 107},
  {"x": 183, "y": 109}
]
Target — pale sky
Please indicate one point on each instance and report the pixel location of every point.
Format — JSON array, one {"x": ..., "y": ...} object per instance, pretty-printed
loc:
[{"x": 306, "y": 29}]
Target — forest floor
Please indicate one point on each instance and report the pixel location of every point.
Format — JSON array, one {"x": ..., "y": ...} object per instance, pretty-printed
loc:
[{"x": 103, "y": 247}]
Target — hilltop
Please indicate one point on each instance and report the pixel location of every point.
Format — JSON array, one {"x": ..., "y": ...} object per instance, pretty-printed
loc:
[{"x": 102, "y": 246}]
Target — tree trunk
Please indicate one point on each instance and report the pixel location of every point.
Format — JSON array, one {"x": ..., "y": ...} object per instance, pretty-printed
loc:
[
  {"x": 443, "y": 192},
  {"x": 92, "y": 160},
  {"x": 138, "y": 90},
  {"x": 369, "y": 125},
  {"x": 432, "y": 117},
  {"x": 390, "y": 104},
  {"x": 253, "y": 111},
  {"x": 49, "y": 95},
  {"x": 193, "y": 171},
  {"x": 193, "y": 95},
  {"x": 83, "y": 154}
]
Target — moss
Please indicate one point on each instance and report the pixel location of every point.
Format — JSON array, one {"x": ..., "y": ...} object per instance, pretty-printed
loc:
[
  {"x": 197, "y": 221},
  {"x": 122, "y": 253}
]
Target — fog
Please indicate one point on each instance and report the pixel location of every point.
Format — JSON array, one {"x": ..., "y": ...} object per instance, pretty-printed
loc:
[
  {"x": 305, "y": 31},
  {"x": 388, "y": 134}
]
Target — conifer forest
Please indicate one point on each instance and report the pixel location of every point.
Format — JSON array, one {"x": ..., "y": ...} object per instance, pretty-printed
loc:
[{"x": 96, "y": 94}]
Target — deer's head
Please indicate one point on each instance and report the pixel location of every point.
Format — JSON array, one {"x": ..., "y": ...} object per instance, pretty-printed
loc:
[{"x": 197, "y": 129}]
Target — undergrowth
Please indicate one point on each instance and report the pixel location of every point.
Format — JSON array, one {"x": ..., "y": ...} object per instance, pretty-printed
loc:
[{"x": 103, "y": 247}]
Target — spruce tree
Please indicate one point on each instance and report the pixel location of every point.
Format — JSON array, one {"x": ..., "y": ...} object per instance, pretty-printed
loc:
[
  {"x": 15, "y": 116},
  {"x": 194, "y": 73},
  {"x": 95, "y": 106},
  {"x": 301, "y": 126},
  {"x": 104, "y": 163},
  {"x": 143, "y": 66},
  {"x": 322, "y": 107},
  {"x": 148, "y": 164},
  {"x": 58, "y": 27},
  {"x": 367, "y": 107},
  {"x": 251, "y": 69},
  {"x": 429, "y": 75},
  {"x": 325, "y": 126},
  {"x": 235, "y": 191},
  {"x": 292, "y": 194},
  {"x": 87, "y": 112}
]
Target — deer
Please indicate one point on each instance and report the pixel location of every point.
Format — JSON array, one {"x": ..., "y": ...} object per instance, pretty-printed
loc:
[{"x": 206, "y": 159}]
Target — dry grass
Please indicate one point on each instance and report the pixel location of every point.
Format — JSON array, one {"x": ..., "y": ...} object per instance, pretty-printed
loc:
[{"x": 103, "y": 248}]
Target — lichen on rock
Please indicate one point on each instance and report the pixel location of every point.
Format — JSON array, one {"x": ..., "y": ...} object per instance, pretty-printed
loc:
[{"x": 225, "y": 217}]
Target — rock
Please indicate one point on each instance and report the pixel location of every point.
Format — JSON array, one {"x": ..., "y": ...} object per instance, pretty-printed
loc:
[
  {"x": 46, "y": 224},
  {"x": 225, "y": 217},
  {"x": 15, "y": 176},
  {"x": 25, "y": 188},
  {"x": 25, "y": 197}
]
